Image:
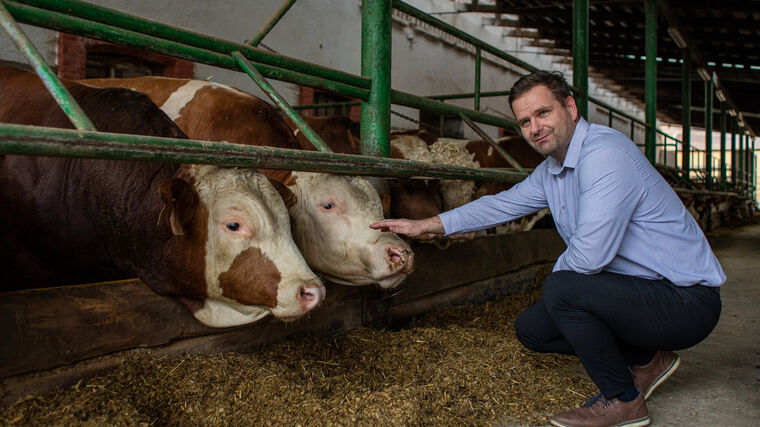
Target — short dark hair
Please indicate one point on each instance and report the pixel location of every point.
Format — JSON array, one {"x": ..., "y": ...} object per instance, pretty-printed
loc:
[{"x": 553, "y": 80}]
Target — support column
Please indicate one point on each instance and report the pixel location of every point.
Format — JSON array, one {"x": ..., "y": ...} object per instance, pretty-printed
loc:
[
  {"x": 376, "y": 64},
  {"x": 580, "y": 54},
  {"x": 478, "y": 60},
  {"x": 686, "y": 110},
  {"x": 734, "y": 158},
  {"x": 722, "y": 126},
  {"x": 650, "y": 97},
  {"x": 708, "y": 131}
]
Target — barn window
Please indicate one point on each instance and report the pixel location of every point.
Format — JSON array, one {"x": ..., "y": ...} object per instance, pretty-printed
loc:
[
  {"x": 80, "y": 58},
  {"x": 310, "y": 96}
]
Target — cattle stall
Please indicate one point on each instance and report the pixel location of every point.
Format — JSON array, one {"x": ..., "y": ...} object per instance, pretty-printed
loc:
[{"x": 89, "y": 323}]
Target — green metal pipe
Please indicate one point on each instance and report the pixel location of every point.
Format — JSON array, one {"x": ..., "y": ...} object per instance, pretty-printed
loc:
[
  {"x": 478, "y": 60},
  {"x": 156, "y": 29},
  {"x": 422, "y": 103},
  {"x": 327, "y": 105},
  {"x": 708, "y": 130},
  {"x": 469, "y": 95},
  {"x": 41, "y": 141},
  {"x": 580, "y": 55},
  {"x": 740, "y": 165},
  {"x": 686, "y": 107},
  {"x": 82, "y": 27},
  {"x": 733, "y": 149},
  {"x": 249, "y": 69},
  {"x": 456, "y": 32},
  {"x": 256, "y": 39},
  {"x": 650, "y": 95},
  {"x": 62, "y": 96},
  {"x": 376, "y": 64},
  {"x": 722, "y": 125},
  {"x": 492, "y": 143}
]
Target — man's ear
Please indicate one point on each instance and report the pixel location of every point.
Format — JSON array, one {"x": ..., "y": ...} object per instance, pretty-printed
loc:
[
  {"x": 572, "y": 107},
  {"x": 180, "y": 204}
]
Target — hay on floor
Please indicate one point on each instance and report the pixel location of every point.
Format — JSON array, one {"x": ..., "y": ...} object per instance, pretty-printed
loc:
[{"x": 455, "y": 365}]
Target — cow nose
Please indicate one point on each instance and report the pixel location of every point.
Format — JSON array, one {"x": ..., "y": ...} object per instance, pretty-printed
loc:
[
  {"x": 311, "y": 295},
  {"x": 400, "y": 258}
]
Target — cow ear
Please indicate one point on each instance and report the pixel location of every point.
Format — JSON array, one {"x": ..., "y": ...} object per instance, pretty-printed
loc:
[
  {"x": 288, "y": 196},
  {"x": 180, "y": 204},
  {"x": 355, "y": 142},
  {"x": 385, "y": 200}
]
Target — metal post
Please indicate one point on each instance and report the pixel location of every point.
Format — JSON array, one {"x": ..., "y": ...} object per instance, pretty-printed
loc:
[
  {"x": 733, "y": 150},
  {"x": 46, "y": 74},
  {"x": 740, "y": 164},
  {"x": 633, "y": 127},
  {"x": 249, "y": 69},
  {"x": 256, "y": 39},
  {"x": 478, "y": 60},
  {"x": 650, "y": 96},
  {"x": 708, "y": 131},
  {"x": 376, "y": 64},
  {"x": 580, "y": 54},
  {"x": 686, "y": 109},
  {"x": 747, "y": 164},
  {"x": 722, "y": 125},
  {"x": 492, "y": 143}
]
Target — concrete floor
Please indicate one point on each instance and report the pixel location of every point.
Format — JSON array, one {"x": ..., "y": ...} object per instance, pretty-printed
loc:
[{"x": 718, "y": 382}]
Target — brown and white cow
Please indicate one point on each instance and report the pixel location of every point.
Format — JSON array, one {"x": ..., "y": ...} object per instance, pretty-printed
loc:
[
  {"x": 406, "y": 198},
  {"x": 218, "y": 239},
  {"x": 330, "y": 213}
]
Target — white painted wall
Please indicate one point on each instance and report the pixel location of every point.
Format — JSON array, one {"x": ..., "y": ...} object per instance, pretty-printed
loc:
[{"x": 328, "y": 32}]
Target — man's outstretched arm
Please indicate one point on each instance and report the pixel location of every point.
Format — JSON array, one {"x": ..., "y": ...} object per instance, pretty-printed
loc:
[{"x": 410, "y": 227}]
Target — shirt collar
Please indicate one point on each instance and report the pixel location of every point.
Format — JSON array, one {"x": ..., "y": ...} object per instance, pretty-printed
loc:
[{"x": 573, "y": 151}]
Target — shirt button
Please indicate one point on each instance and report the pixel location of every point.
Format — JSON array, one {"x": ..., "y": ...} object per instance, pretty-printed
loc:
[{"x": 563, "y": 207}]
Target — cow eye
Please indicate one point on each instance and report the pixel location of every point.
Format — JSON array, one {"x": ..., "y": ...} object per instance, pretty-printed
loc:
[
  {"x": 327, "y": 206},
  {"x": 233, "y": 226}
]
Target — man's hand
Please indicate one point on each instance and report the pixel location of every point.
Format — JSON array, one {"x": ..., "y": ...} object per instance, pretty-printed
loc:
[{"x": 410, "y": 227}]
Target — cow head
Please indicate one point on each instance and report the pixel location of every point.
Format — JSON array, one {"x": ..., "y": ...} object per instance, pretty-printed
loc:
[
  {"x": 231, "y": 257},
  {"x": 331, "y": 217}
]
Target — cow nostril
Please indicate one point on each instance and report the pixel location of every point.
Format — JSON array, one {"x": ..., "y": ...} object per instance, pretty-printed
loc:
[
  {"x": 398, "y": 255},
  {"x": 310, "y": 296}
]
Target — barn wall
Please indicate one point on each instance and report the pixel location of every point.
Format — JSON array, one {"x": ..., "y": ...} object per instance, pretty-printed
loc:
[{"x": 328, "y": 32}]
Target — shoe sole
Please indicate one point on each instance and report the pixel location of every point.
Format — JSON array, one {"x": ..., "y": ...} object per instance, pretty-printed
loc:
[
  {"x": 632, "y": 423},
  {"x": 665, "y": 375}
]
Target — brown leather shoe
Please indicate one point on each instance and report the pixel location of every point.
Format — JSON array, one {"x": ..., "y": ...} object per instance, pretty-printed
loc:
[
  {"x": 648, "y": 377},
  {"x": 605, "y": 413}
]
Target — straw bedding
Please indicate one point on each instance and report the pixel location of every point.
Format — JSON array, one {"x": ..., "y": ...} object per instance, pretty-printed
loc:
[{"x": 452, "y": 366}]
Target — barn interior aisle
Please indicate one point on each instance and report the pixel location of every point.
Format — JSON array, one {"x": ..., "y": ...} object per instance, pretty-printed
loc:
[{"x": 718, "y": 382}]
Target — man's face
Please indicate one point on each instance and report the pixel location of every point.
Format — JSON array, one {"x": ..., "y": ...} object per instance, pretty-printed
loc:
[{"x": 545, "y": 123}]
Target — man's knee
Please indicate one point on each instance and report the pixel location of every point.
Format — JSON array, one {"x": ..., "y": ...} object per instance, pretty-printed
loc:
[{"x": 524, "y": 330}]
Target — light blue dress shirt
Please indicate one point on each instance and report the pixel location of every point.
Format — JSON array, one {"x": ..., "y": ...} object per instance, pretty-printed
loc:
[{"x": 614, "y": 211}]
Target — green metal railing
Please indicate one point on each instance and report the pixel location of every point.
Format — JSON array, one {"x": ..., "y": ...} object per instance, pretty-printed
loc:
[{"x": 372, "y": 89}]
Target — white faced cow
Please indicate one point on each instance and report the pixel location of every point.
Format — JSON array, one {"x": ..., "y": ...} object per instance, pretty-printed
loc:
[
  {"x": 330, "y": 213},
  {"x": 218, "y": 239}
]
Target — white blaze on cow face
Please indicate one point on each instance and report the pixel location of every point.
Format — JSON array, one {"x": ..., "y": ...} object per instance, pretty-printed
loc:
[
  {"x": 253, "y": 267},
  {"x": 331, "y": 218}
]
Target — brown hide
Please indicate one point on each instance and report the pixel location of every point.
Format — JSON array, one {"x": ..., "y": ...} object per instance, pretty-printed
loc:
[
  {"x": 84, "y": 220},
  {"x": 216, "y": 121},
  {"x": 340, "y": 133},
  {"x": 487, "y": 157}
]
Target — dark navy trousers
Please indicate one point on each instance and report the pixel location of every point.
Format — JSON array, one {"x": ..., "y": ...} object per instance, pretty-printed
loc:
[{"x": 611, "y": 321}]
